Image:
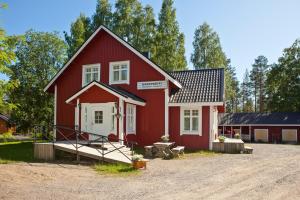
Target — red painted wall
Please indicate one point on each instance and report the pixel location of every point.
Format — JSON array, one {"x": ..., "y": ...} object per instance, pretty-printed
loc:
[
  {"x": 274, "y": 131},
  {"x": 189, "y": 141},
  {"x": 104, "y": 49}
]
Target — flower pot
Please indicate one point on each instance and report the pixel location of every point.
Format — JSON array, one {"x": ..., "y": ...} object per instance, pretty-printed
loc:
[{"x": 139, "y": 164}]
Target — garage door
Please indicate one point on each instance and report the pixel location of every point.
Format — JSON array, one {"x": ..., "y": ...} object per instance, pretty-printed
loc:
[
  {"x": 261, "y": 135},
  {"x": 289, "y": 135}
]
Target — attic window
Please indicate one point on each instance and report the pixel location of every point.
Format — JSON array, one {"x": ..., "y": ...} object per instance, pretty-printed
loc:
[
  {"x": 90, "y": 73},
  {"x": 119, "y": 72}
]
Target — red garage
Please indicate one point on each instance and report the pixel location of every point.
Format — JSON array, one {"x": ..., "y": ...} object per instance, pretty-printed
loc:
[{"x": 281, "y": 127}]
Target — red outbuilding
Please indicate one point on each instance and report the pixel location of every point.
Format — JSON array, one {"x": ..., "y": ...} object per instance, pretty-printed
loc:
[
  {"x": 277, "y": 127},
  {"x": 109, "y": 88}
]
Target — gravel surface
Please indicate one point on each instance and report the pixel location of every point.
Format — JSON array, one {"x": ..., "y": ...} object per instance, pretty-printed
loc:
[{"x": 271, "y": 172}]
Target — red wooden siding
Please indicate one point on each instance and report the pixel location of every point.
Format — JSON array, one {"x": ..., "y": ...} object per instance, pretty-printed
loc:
[
  {"x": 275, "y": 132},
  {"x": 104, "y": 49},
  {"x": 189, "y": 141}
]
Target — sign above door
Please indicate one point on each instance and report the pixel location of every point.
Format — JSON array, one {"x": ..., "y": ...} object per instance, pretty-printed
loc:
[{"x": 148, "y": 85}]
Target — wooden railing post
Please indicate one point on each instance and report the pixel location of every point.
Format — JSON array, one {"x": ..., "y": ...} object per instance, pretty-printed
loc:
[{"x": 77, "y": 154}]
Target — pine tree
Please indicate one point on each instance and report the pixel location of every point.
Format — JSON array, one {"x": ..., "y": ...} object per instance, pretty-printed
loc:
[
  {"x": 169, "y": 52},
  {"x": 102, "y": 16},
  {"x": 258, "y": 77},
  {"x": 246, "y": 93},
  {"x": 283, "y": 81},
  {"x": 79, "y": 32},
  {"x": 208, "y": 52},
  {"x": 232, "y": 92}
]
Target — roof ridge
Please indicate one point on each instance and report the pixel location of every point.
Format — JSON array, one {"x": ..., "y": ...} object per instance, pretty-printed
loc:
[{"x": 196, "y": 70}]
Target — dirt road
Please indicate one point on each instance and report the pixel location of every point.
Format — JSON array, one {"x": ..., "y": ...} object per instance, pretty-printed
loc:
[{"x": 272, "y": 172}]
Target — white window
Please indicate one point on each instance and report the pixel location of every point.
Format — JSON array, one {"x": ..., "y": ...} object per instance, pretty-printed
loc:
[
  {"x": 98, "y": 117},
  {"x": 119, "y": 72},
  {"x": 113, "y": 121},
  {"x": 191, "y": 121},
  {"x": 130, "y": 118},
  {"x": 90, "y": 73}
]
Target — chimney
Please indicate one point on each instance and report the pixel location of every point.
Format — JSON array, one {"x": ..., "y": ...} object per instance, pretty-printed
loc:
[{"x": 146, "y": 54}]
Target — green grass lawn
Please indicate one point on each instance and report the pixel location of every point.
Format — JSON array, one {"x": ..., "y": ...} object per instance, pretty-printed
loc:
[
  {"x": 115, "y": 169},
  {"x": 204, "y": 153},
  {"x": 16, "y": 152}
]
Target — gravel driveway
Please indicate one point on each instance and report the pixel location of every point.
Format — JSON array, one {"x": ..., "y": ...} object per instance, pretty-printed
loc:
[{"x": 272, "y": 172}]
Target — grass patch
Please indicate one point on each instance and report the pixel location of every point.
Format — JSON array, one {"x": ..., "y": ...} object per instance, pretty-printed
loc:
[
  {"x": 204, "y": 153},
  {"x": 16, "y": 152},
  {"x": 115, "y": 169}
]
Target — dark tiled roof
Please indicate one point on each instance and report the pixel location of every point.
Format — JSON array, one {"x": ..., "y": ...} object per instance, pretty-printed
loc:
[
  {"x": 259, "y": 118},
  {"x": 205, "y": 85},
  {"x": 5, "y": 118},
  {"x": 122, "y": 92}
]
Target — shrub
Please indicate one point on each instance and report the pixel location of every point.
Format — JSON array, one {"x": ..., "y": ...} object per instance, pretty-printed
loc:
[
  {"x": 221, "y": 138},
  {"x": 237, "y": 136},
  {"x": 7, "y": 136},
  {"x": 165, "y": 138},
  {"x": 137, "y": 157}
]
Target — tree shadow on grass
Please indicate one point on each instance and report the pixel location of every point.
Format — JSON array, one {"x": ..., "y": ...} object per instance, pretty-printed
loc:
[{"x": 16, "y": 152}]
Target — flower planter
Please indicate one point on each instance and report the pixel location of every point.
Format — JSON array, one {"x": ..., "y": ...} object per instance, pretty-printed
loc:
[{"x": 139, "y": 164}]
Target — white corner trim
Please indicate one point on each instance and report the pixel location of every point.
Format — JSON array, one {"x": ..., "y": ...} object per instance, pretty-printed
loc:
[
  {"x": 106, "y": 89},
  {"x": 55, "y": 110},
  {"x": 165, "y": 74},
  {"x": 167, "y": 110},
  {"x": 182, "y": 131},
  {"x": 197, "y": 104},
  {"x": 98, "y": 65},
  {"x": 111, "y": 64},
  {"x": 121, "y": 120}
]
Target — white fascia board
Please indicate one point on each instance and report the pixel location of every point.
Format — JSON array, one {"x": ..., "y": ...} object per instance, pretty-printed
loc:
[
  {"x": 108, "y": 90},
  {"x": 196, "y": 104},
  {"x": 122, "y": 42}
]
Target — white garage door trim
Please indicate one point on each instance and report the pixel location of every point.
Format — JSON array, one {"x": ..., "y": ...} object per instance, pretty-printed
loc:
[
  {"x": 282, "y": 132},
  {"x": 261, "y": 130}
]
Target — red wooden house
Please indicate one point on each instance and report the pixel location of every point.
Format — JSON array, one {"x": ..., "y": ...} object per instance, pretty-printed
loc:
[{"x": 110, "y": 88}]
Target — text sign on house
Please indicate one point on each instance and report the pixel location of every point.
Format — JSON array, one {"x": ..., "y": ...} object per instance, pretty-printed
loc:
[{"x": 148, "y": 85}]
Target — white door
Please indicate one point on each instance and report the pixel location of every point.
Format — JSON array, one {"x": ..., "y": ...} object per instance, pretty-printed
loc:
[{"x": 97, "y": 119}]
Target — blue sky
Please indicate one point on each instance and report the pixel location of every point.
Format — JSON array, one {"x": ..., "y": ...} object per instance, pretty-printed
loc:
[{"x": 246, "y": 28}]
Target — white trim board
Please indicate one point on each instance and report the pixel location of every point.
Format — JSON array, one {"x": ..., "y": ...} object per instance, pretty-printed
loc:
[
  {"x": 165, "y": 74},
  {"x": 108, "y": 90}
]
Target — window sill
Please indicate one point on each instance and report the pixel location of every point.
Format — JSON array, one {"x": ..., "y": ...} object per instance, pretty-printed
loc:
[
  {"x": 190, "y": 133},
  {"x": 119, "y": 82},
  {"x": 131, "y": 133}
]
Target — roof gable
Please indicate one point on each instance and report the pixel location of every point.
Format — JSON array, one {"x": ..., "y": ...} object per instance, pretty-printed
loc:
[
  {"x": 118, "y": 92},
  {"x": 140, "y": 55}
]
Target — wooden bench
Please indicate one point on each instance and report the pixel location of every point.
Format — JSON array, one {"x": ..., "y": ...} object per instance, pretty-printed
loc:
[
  {"x": 179, "y": 150},
  {"x": 248, "y": 150}
]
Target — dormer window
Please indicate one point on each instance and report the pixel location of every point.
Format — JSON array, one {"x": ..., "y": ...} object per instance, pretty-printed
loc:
[
  {"x": 119, "y": 72},
  {"x": 90, "y": 73}
]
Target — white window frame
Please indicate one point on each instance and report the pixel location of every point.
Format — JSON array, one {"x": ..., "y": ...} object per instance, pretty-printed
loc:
[
  {"x": 111, "y": 74},
  {"x": 289, "y": 129},
  {"x": 128, "y": 117},
  {"x": 191, "y": 132},
  {"x": 84, "y": 67},
  {"x": 113, "y": 125}
]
